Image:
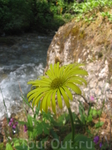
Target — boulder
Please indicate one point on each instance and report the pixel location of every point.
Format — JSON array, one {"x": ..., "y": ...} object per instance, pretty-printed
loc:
[{"x": 89, "y": 43}]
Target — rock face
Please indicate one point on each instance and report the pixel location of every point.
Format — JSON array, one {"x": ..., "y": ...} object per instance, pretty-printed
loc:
[{"x": 89, "y": 43}]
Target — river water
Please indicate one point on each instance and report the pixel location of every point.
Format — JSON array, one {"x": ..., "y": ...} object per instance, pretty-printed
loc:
[{"x": 23, "y": 61}]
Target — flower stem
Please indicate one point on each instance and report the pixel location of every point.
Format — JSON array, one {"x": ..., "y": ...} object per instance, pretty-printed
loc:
[{"x": 72, "y": 123}]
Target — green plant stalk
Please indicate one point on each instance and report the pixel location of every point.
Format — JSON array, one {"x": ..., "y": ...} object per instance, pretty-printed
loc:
[{"x": 72, "y": 123}]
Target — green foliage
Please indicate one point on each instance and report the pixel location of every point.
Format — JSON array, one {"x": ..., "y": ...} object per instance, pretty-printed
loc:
[
  {"x": 20, "y": 144},
  {"x": 95, "y": 113},
  {"x": 107, "y": 15},
  {"x": 99, "y": 124},
  {"x": 79, "y": 9},
  {"x": 85, "y": 119},
  {"x": 43, "y": 15},
  {"x": 15, "y": 15},
  {"x": 90, "y": 5},
  {"x": 81, "y": 143},
  {"x": 8, "y": 146},
  {"x": 47, "y": 125},
  {"x": 2, "y": 146},
  {"x": 39, "y": 127}
]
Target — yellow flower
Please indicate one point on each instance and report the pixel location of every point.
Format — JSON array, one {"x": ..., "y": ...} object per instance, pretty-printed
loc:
[{"x": 57, "y": 81}]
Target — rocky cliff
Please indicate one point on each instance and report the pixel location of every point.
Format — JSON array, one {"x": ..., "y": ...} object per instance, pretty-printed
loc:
[{"x": 88, "y": 42}]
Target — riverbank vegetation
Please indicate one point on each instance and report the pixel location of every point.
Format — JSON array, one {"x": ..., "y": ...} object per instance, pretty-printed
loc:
[{"x": 19, "y": 16}]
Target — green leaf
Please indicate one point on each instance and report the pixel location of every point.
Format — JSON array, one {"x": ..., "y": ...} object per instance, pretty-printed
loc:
[
  {"x": 67, "y": 137},
  {"x": 22, "y": 122},
  {"x": 94, "y": 113},
  {"x": 63, "y": 118},
  {"x": 78, "y": 122},
  {"x": 59, "y": 99},
  {"x": 83, "y": 143},
  {"x": 99, "y": 124},
  {"x": 89, "y": 118},
  {"x": 30, "y": 120},
  {"x": 68, "y": 93},
  {"x": 42, "y": 127},
  {"x": 67, "y": 143},
  {"x": 22, "y": 147},
  {"x": 89, "y": 110},
  {"x": 81, "y": 105},
  {"x": 46, "y": 128},
  {"x": 8, "y": 146},
  {"x": 54, "y": 134},
  {"x": 99, "y": 112},
  {"x": 1, "y": 146},
  {"x": 82, "y": 116},
  {"x": 30, "y": 125},
  {"x": 37, "y": 110},
  {"x": 26, "y": 102},
  {"x": 20, "y": 144},
  {"x": 65, "y": 97}
]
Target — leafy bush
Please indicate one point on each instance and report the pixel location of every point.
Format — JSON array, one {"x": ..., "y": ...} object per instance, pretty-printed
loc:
[
  {"x": 15, "y": 16},
  {"x": 43, "y": 15}
]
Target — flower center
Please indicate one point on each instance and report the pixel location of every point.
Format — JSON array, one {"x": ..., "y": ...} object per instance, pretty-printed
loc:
[{"x": 56, "y": 83}]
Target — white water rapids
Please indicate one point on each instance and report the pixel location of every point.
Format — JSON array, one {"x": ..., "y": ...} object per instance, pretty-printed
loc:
[{"x": 19, "y": 63}]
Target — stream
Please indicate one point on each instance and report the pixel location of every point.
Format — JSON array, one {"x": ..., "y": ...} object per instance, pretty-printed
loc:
[{"x": 20, "y": 62}]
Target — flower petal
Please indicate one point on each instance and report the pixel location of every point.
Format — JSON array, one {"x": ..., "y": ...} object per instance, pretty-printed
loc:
[
  {"x": 75, "y": 71},
  {"x": 53, "y": 108},
  {"x": 34, "y": 93},
  {"x": 79, "y": 79},
  {"x": 50, "y": 74},
  {"x": 57, "y": 70},
  {"x": 54, "y": 102},
  {"x": 34, "y": 83},
  {"x": 59, "y": 99},
  {"x": 36, "y": 100},
  {"x": 68, "y": 92},
  {"x": 61, "y": 72},
  {"x": 31, "y": 92},
  {"x": 78, "y": 72},
  {"x": 44, "y": 102},
  {"x": 75, "y": 81},
  {"x": 49, "y": 98},
  {"x": 65, "y": 97},
  {"x": 58, "y": 81},
  {"x": 74, "y": 87}
]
